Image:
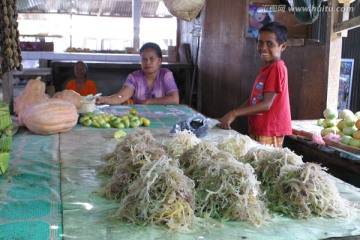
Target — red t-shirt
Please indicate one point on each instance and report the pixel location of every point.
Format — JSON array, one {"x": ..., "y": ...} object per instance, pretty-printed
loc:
[
  {"x": 276, "y": 121},
  {"x": 89, "y": 88}
]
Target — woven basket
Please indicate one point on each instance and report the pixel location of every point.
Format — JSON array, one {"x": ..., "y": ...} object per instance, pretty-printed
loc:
[
  {"x": 4, "y": 162},
  {"x": 87, "y": 106},
  {"x": 185, "y": 9}
]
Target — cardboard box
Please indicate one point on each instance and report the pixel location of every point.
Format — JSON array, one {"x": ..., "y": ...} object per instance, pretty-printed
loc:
[{"x": 37, "y": 46}]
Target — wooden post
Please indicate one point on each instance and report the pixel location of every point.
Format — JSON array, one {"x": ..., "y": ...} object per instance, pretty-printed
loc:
[
  {"x": 136, "y": 14},
  {"x": 333, "y": 56},
  {"x": 8, "y": 94}
]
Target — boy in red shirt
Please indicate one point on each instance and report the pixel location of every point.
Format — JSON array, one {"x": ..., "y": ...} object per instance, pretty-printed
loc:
[{"x": 268, "y": 108}]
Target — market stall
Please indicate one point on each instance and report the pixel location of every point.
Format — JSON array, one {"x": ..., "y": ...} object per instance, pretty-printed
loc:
[
  {"x": 110, "y": 76},
  {"x": 50, "y": 190},
  {"x": 343, "y": 161}
]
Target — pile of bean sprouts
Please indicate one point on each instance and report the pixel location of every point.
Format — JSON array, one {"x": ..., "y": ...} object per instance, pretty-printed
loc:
[
  {"x": 236, "y": 144},
  {"x": 137, "y": 148},
  {"x": 305, "y": 190},
  {"x": 235, "y": 179},
  {"x": 293, "y": 187},
  {"x": 150, "y": 186},
  {"x": 161, "y": 194},
  {"x": 226, "y": 189},
  {"x": 181, "y": 142}
]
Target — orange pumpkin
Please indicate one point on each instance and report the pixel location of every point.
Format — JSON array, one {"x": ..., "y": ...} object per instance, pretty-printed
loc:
[
  {"x": 34, "y": 92},
  {"x": 70, "y": 96},
  {"x": 50, "y": 117}
]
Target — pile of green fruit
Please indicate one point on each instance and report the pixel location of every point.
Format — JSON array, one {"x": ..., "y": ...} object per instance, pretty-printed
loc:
[
  {"x": 104, "y": 120},
  {"x": 344, "y": 123}
]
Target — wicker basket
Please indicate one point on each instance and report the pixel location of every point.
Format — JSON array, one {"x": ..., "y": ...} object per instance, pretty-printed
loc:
[
  {"x": 186, "y": 9},
  {"x": 4, "y": 162}
]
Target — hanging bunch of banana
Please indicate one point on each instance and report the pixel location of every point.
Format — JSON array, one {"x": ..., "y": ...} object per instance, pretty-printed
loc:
[{"x": 10, "y": 52}]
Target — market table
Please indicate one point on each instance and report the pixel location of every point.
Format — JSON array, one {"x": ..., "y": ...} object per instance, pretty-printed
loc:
[
  {"x": 49, "y": 191},
  {"x": 343, "y": 161}
]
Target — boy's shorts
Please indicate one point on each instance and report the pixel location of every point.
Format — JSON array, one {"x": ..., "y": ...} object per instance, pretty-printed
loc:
[{"x": 275, "y": 141}]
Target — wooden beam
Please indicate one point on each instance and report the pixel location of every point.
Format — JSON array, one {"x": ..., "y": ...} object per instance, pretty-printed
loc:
[
  {"x": 8, "y": 94},
  {"x": 347, "y": 25}
]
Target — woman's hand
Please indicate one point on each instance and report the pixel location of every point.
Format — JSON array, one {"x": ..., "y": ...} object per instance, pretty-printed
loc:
[
  {"x": 226, "y": 120},
  {"x": 100, "y": 100},
  {"x": 146, "y": 101}
]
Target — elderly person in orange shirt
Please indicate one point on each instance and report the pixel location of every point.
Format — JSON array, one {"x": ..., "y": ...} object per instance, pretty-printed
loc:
[{"x": 81, "y": 84}]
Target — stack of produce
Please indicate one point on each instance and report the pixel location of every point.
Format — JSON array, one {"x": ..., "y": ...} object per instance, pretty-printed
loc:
[
  {"x": 267, "y": 162},
  {"x": 226, "y": 189},
  {"x": 329, "y": 123},
  {"x": 181, "y": 142},
  {"x": 151, "y": 187},
  {"x": 160, "y": 194},
  {"x": 5, "y": 137},
  {"x": 109, "y": 120},
  {"x": 10, "y": 52},
  {"x": 346, "y": 124},
  {"x": 135, "y": 149},
  {"x": 295, "y": 188},
  {"x": 238, "y": 145},
  {"x": 349, "y": 126},
  {"x": 305, "y": 190},
  {"x": 201, "y": 182},
  {"x": 44, "y": 115}
]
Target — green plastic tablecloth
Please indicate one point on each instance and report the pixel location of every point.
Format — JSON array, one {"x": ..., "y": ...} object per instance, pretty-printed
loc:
[{"x": 30, "y": 202}]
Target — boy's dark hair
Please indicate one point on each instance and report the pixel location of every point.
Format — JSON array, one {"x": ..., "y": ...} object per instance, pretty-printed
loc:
[
  {"x": 153, "y": 46},
  {"x": 278, "y": 29}
]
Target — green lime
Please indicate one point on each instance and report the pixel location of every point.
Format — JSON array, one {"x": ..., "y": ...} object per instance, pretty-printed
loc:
[
  {"x": 101, "y": 121},
  {"x": 118, "y": 125},
  {"x": 95, "y": 123},
  {"x": 87, "y": 122},
  {"x": 133, "y": 111},
  {"x": 82, "y": 119},
  {"x": 106, "y": 125},
  {"x": 119, "y": 134},
  {"x": 126, "y": 123},
  {"x": 135, "y": 123},
  {"x": 146, "y": 122}
]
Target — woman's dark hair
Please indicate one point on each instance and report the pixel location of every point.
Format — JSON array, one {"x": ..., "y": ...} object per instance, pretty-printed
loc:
[
  {"x": 151, "y": 45},
  {"x": 85, "y": 66},
  {"x": 278, "y": 29}
]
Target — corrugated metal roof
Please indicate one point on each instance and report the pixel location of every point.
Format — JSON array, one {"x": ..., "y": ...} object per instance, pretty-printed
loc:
[{"x": 114, "y": 8}]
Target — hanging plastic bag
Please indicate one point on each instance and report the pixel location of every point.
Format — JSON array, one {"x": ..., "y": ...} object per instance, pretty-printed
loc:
[{"x": 306, "y": 11}]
